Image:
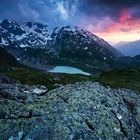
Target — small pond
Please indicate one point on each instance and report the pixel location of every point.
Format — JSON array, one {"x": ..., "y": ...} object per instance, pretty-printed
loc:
[{"x": 68, "y": 70}]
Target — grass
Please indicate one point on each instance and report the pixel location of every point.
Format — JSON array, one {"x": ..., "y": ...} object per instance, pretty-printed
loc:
[
  {"x": 34, "y": 77},
  {"x": 124, "y": 78}
]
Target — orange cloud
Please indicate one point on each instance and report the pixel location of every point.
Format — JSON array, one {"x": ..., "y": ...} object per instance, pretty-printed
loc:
[
  {"x": 125, "y": 16},
  {"x": 125, "y": 23},
  {"x": 126, "y": 29}
]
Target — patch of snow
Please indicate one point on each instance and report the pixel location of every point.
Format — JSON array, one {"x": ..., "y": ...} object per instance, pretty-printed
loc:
[
  {"x": 20, "y": 37},
  {"x": 104, "y": 58},
  {"x": 26, "y": 91},
  {"x": 22, "y": 46},
  {"x": 95, "y": 39},
  {"x": 90, "y": 53},
  {"x": 18, "y": 59},
  {"x": 11, "y": 138},
  {"x": 117, "y": 129},
  {"x": 39, "y": 91},
  {"x": 3, "y": 41},
  {"x": 119, "y": 116},
  {"x": 20, "y": 135},
  {"x": 85, "y": 48}
]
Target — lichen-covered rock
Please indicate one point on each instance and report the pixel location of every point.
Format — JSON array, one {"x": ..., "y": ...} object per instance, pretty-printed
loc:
[
  {"x": 81, "y": 111},
  {"x": 19, "y": 92},
  {"x": 6, "y": 80}
]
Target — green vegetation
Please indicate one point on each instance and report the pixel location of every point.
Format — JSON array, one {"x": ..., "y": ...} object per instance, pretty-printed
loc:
[
  {"x": 31, "y": 76},
  {"x": 10, "y": 67},
  {"x": 125, "y": 78}
]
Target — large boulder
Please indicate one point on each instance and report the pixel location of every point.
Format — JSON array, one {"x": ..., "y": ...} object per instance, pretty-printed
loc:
[{"x": 81, "y": 111}]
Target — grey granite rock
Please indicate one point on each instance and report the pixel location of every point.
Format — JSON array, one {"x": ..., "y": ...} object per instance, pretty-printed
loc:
[{"x": 81, "y": 111}]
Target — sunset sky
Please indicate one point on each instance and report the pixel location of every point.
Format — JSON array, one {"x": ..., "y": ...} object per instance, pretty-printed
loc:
[{"x": 113, "y": 20}]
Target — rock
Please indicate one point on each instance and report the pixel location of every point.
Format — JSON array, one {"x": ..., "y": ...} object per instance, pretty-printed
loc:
[
  {"x": 3, "y": 113},
  {"x": 6, "y": 80},
  {"x": 58, "y": 85},
  {"x": 39, "y": 90},
  {"x": 19, "y": 136},
  {"x": 85, "y": 111},
  {"x": 16, "y": 91}
]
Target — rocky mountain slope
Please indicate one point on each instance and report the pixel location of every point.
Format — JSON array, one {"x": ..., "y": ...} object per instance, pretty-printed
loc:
[
  {"x": 10, "y": 67},
  {"x": 67, "y": 44},
  {"x": 126, "y": 78},
  {"x": 81, "y": 111},
  {"x": 7, "y": 59},
  {"x": 130, "y": 61},
  {"x": 78, "y": 43},
  {"x": 129, "y": 48},
  {"x": 24, "y": 35}
]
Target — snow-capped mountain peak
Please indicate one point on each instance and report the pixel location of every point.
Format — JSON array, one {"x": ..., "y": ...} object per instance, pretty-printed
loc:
[
  {"x": 25, "y": 35},
  {"x": 75, "y": 41},
  {"x": 63, "y": 42}
]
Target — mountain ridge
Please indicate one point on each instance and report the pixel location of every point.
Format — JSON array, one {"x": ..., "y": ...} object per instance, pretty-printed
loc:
[
  {"x": 19, "y": 32},
  {"x": 7, "y": 60},
  {"x": 129, "y": 48},
  {"x": 66, "y": 45}
]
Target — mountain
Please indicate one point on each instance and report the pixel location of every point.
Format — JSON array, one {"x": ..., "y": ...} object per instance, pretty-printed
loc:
[
  {"x": 124, "y": 78},
  {"x": 7, "y": 60},
  {"x": 132, "y": 61},
  {"x": 77, "y": 43},
  {"x": 31, "y": 34},
  {"x": 129, "y": 48},
  {"x": 34, "y": 44}
]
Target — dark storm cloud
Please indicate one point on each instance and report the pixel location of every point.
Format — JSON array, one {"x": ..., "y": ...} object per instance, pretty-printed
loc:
[
  {"x": 49, "y": 11},
  {"x": 58, "y": 12},
  {"x": 19, "y": 10},
  {"x": 111, "y": 8},
  {"x": 8, "y": 8},
  {"x": 120, "y": 3}
]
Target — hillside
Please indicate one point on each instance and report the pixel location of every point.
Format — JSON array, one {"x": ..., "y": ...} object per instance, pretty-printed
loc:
[
  {"x": 10, "y": 67},
  {"x": 124, "y": 78},
  {"x": 7, "y": 60},
  {"x": 129, "y": 48},
  {"x": 34, "y": 44}
]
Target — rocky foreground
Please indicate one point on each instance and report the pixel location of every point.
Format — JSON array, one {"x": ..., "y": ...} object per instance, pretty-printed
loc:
[{"x": 81, "y": 111}]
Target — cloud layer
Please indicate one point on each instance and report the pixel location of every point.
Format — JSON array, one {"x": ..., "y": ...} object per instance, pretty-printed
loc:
[{"x": 98, "y": 16}]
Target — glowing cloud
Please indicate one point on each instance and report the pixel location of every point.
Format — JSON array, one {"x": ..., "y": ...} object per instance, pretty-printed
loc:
[
  {"x": 126, "y": 28},
  {"x": 125, "y": 23},
  {"x": 114, "y": 20},
  {"x": 62, "y": 10}
]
